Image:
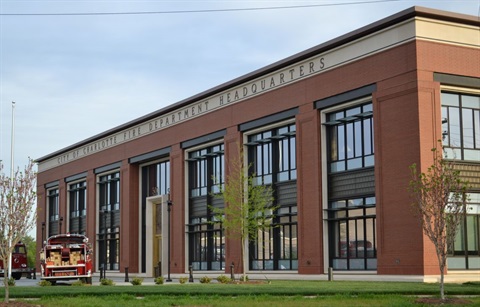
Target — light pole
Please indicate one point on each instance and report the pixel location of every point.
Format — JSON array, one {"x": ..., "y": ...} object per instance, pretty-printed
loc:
[
  {"x": 12, "y": 183},
  {"x": 169, "y": 209},
  {"x": 43, "y": 232}
]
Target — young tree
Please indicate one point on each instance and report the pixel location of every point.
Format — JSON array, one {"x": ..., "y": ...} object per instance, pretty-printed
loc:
[
  {"x": 17, "y": 212},
  {"x": 248, "y": 206},
  {"x": 440, "y": 203}
]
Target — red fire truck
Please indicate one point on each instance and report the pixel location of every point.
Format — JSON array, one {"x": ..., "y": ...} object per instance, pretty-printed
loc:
[
  {"x": 66, "y": 257},
  {"x": 19, "y": 262}
]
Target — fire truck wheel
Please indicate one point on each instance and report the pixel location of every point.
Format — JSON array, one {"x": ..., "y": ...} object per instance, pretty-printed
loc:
[{"x": 17, "y": 276}]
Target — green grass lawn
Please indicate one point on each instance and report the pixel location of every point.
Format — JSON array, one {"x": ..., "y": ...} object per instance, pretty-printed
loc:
[
  {"x": 276, "y": 293},
  {"x": 230, "y": 301}
]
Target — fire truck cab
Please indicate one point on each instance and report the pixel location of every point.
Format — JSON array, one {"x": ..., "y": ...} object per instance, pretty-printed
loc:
[
  {"x": 19, "y": 262},
  {"x": 66, "y": 257}
]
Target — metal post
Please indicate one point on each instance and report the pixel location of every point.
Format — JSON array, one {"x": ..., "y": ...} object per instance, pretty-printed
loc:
[
  {"x": 330, "y": 274},
  {"x": 169, "y": 209},
  {"x": 43, "y": 232},
  {"x": 126, "y": 274},
  {"x": 232, "y": 271},
  {"x": 105, "y": 244},
  {"x": 190, "y": 269},
  {"x": 60, "y": 225},
  {"x": 101, "y": 272}
]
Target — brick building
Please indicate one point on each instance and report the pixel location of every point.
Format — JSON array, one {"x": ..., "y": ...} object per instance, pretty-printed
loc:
[{"x": 332, "y": 129}]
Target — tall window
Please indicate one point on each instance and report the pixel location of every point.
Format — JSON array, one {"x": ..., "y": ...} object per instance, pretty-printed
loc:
[
  {"x": 53, "y": 212},
  {"x": 206, "y": 239},
  {"x": 78, "y": 207},
  {"x": 351, "y": 212},
  {"x": 155, "y": 181},
  {"x": 465, "y": 252},
  {"x": 461, "y": 126},
  {"x": 272, "y": 154},
  {"x": 350, "y": 135},
  {"x": 109, "y": 214}
]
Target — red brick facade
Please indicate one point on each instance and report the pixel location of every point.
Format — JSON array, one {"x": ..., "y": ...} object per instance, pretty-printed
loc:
[{"x": 407, "y": 124}]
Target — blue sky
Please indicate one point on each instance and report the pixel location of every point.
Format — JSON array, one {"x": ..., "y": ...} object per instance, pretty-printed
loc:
[{"x": 74, "y": 76}]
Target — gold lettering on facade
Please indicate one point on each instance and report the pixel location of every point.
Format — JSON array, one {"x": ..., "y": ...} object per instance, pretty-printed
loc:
[{"x": 233, "y": 95}]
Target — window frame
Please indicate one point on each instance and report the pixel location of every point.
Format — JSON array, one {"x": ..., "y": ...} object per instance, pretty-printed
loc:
[
  {"x": 461, "y": 251},
  {"x": 451, "y": 151},
  {"x": 336, "y": 215},
  {"x": 53, "y": 218},
  {"x": 77, "y": 200},
  {"x": 270, "y": 140},
  {"x": 205, "y": 173},
  {"x": 349, "y": 128},
  {"x": 109, "y": 231}
]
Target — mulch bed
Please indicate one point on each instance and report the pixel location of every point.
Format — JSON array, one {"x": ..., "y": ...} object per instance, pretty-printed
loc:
[
  {"x": 439, "y": 302},
  {"x": 18, "y": 304}
]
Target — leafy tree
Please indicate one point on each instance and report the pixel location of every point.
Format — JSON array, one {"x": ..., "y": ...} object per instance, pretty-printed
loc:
[
  {"x": 31, "y": 245},
  {"x": 439, "y": 201},
  {"x": 248, "y": 206},
  {"x": 17, "y": 215}
]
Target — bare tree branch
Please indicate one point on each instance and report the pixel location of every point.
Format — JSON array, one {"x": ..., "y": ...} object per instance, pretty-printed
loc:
[{"x": 439, "y": 201}]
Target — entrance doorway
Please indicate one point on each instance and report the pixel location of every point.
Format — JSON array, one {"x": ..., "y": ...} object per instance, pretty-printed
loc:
[{"x": 156, "y": 235}]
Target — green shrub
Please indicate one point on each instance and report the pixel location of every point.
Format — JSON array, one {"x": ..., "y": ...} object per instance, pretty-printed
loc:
[
  {"x": 136, "y": 281},
  {"x": 78, "y": 283},
  {"x": 183, "y": 280},
  {"x": 107, "y": 282},
  {"x": 159, "y": 280},
  {"x": 224, "y": 279},
  {"x": 11, "y": 282},
  {"x": 44, "y": 283},
  {"x": 205, "y": 280}
]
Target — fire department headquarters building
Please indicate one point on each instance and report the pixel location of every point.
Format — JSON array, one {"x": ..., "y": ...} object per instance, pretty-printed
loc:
[{"x": 332, "y": 129}]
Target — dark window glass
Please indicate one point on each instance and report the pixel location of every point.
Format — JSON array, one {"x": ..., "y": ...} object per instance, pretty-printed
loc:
[
  {"x": 272, "y": 154},
  {"x": 275, "y": 247},
  {"x": 206, "y": 168},
  {"x": 207, "y": 244},
  {"x": 351, "y": 221},
  {"x": 78, "y": 207},
  {"x": 464, "y": 253},
  {"x": 109, "y": 219},
  {"x": 352, "y": 229},
  {"x": 350, "y": 134},
  {"x": 53, "y": 212},
  {"x": 461, "y": 126}
]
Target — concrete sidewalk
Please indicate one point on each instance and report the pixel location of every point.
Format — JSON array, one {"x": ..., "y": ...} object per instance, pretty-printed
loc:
[{"x": 461, "y": 277}]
